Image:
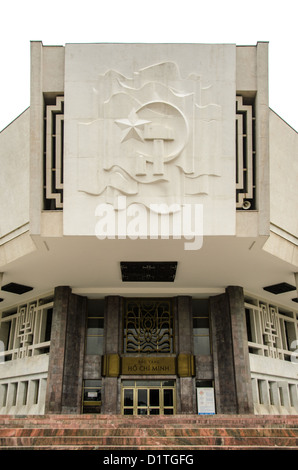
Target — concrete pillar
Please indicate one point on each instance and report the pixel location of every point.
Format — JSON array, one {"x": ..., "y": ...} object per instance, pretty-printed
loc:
[
  {"x": 74, "y": 355},
  {"x": 113, "y": 334},
  {"x": 233, "y": 389},
  {"x": 240, "y": 350},
  {"x": 185, "y": 346},
  {"x": 222, "y": 350},
  {"x": 284, "y": 395},
  {"x": 263, "y": 387},
  {"x": 65, "y": 374},
  {"x": 293, "y": 396},
  {"x": 274, "y": 394},
  {"x": 113, "y": 324},
  {"x": 57, "y": 351},
  {"x": 254, "y": 385},
  {"x": 184, "y": 315},
  {"x": 11, "y": 395}
]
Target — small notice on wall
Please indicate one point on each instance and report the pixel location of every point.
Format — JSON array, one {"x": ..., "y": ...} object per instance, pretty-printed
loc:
[{"x": 205, "y": 398}]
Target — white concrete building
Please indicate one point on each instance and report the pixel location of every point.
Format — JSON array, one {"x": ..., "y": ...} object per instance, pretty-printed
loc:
[{"x": 149, "y": 235}]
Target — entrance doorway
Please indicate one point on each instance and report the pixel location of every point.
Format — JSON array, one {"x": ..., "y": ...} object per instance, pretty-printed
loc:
[{"x": 148, "y": 397}]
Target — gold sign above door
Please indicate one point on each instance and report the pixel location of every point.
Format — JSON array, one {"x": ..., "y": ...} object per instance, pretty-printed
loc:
[
  {"x": 148, "y": 365},
  {"x": 183, "y": 365}
]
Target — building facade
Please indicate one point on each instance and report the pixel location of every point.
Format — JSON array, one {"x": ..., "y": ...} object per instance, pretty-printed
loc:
[{"x": 149, "y": 235}]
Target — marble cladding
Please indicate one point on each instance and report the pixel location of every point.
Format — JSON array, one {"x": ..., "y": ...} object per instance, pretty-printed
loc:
[{"x": 159, "y": 432}]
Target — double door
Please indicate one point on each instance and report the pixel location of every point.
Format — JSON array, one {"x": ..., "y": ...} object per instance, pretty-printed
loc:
[{"x": 148, "y": 397}]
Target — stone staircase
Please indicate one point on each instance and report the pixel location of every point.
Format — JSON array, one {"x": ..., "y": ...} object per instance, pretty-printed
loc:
[{"x": 161, "y": 433}]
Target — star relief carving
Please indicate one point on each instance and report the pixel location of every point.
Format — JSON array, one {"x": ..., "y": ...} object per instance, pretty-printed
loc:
[
  {"x": 132, "y": 127},
  {"x": 150, "y": 131}
]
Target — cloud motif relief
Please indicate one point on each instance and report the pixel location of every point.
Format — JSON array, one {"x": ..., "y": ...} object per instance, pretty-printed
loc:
[{"x": 153, "y": 135}]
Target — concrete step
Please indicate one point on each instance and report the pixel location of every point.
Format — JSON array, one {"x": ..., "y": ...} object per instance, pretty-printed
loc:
[
  {"x": 149, "y": 432},
  {"x": 105, "y": 432},
  {"x": 159, "y": 421},
  {"x": 147, "y": 443}
]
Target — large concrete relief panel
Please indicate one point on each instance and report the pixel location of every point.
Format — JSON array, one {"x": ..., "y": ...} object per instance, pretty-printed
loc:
[{"x": 149, "y": 124}]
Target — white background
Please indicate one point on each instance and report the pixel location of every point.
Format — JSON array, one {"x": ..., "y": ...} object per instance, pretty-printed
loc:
[{"x": 188, "y": 21}]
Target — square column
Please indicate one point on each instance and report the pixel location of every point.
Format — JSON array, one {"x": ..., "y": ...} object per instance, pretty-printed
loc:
[
  {"x": 186, "y": 388},
  {"x": 222, "y": 350},
  {"x": 233, "y": 389},
  {"x": 113, "y": 329},
  {"x": 65, "y": 374},
  {"x": 240, "y": 350}
]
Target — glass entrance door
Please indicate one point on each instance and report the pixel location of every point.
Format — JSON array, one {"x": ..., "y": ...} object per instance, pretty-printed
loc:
[{"x": 148, "y": 397}]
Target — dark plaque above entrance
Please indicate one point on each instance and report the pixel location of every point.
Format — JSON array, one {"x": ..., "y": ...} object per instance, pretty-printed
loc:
[{"x": 148, "y": 271}]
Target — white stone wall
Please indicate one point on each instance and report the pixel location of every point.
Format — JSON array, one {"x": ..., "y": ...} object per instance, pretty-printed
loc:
[
  {"x": 14, "y": 177},
  {"x": 274, "y": 385},
  {"x": 23, "y": 385},
  {"x": 24, "y": 356},
  {"x": 283, "y": 240},
  {"x": 153, "y": 123},
  {"x": 273, "y": 346},
  {"x": 283, "y": 175}
]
